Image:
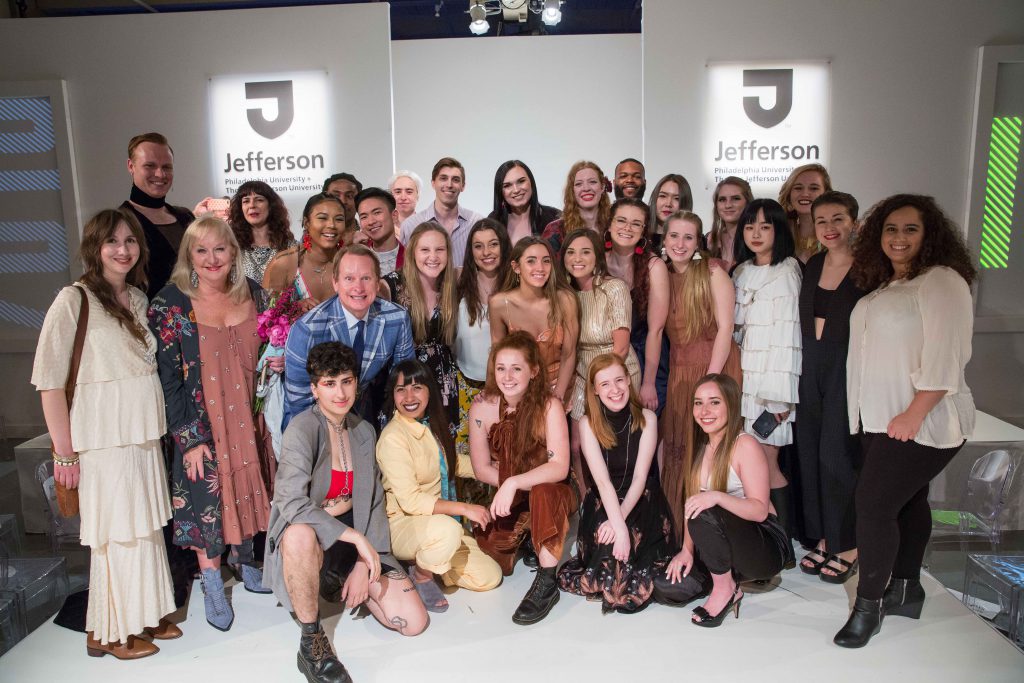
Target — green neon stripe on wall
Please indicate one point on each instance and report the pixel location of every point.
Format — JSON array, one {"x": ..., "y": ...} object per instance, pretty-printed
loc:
[{"x": 1000, "y": 185}]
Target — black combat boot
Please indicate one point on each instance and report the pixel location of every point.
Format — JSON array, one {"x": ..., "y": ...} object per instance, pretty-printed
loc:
[
  {"x": 539, "y": 600},
  {"x": 316, "y": 658}
]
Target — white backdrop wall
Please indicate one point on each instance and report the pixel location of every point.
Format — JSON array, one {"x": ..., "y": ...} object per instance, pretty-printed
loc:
[
  {"x": 132, "y": 74},
  {"x": 548, "y": 101},
  {"x": 903, "y": 79}
]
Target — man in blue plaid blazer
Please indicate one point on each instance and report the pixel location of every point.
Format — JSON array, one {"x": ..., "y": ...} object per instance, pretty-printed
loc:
[{"x": 377, "y": 330}]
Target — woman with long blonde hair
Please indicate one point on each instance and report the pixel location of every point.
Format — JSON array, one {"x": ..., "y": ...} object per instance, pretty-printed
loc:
[
  {"x": 699, "y": 327},
  {"x": 805, "y": 184},
  {"x": 426, "y": 286}
]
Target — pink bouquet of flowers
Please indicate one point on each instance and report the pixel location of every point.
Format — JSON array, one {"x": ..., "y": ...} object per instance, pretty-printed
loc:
[{"x": 273, "y": 326}]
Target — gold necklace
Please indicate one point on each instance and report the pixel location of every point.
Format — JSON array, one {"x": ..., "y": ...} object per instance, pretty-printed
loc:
[{"x": 338, "y": 430}]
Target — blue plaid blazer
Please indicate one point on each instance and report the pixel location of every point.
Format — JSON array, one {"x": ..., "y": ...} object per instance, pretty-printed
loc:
[{"x": 387, "y": 341}]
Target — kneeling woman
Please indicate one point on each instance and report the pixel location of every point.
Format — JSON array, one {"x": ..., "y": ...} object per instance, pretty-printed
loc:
[
  {"x": 328, "y": 530},
  {"x": 519, "y": 442},
  {"x": 625, "y": 536},
  {"x": 731, "y": 527},
  {"x": 418, "y": 464}
]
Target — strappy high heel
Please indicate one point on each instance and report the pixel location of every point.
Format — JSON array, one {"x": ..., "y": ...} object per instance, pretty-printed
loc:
[{"x": 708, "y": 621}]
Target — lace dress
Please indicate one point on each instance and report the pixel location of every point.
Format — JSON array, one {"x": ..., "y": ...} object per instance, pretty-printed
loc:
[{"x": 621, "y": 586}]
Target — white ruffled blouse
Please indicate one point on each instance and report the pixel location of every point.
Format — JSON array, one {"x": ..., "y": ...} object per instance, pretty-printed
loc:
[{"x": 768, "y": 333}]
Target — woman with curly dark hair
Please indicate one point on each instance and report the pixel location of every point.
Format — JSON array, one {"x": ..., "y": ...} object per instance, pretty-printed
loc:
[
  {"x": 258, "y": 217},
  {"x": 910, "y": 339}
]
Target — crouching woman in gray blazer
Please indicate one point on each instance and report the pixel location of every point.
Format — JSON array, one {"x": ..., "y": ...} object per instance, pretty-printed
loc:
[{"x": 328, "y": 528}]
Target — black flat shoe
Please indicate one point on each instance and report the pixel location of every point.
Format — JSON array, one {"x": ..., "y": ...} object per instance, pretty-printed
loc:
[
  {"x": 708, "y": 621},
  {"x": 903, "y": 598},
  {"x": 848, "y": 569},
  {"x": 864, "y": 622}
]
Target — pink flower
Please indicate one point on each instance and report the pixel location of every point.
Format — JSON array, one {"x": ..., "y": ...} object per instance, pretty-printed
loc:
[
  {"x": 178, "y": 502},
  {"x": 278, "y": 335}
]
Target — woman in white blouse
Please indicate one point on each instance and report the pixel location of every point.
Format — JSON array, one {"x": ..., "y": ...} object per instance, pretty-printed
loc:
[
  {"x": 767, "y": 280},
  {"x": 488, "y": 251},
  {"x": 107, "y": 443},
  {"x": 910, "y": 339}
]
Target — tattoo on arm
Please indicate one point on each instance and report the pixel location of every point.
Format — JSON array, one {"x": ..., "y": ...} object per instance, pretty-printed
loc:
[
  {"x": 551, "y": 455},
  {"x": 479, "y": 423}
]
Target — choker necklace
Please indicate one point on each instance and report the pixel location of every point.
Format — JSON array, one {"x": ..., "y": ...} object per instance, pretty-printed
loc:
[{"x": 139, "y": 197}]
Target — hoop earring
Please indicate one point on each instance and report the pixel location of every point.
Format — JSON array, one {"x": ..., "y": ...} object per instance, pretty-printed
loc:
[
  {"x": 607, "y": 240},
  {"x": 193, "y": 278},
  {"x": 641, "y": 246}
]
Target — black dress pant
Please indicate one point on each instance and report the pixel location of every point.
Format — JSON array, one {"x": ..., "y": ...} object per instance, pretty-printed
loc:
[
  {"x": 894, "y": 521},
  {"x": 751, "y": 550},
  {"x": 829, "y": 457}
]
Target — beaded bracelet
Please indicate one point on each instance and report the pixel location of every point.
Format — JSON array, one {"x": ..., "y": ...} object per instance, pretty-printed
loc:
[{"x": 64, "y": 461}]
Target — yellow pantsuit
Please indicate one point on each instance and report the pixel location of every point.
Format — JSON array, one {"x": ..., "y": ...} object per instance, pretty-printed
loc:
[{"x": 409, "y": 458}]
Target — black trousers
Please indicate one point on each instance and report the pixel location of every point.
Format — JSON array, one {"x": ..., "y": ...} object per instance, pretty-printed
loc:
[
  {"x": 829, "y": 457},
  {"x": 894, "y": 521},
  {"x": 751, "y": 550}
]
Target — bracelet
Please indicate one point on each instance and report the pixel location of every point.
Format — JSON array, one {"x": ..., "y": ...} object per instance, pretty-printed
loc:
[{"x": 66, "y": 462}]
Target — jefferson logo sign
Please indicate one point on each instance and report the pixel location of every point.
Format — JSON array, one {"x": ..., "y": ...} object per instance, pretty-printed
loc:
[
  {"x": 765, "y": 119},
  {"x": 274, "y": 128}
]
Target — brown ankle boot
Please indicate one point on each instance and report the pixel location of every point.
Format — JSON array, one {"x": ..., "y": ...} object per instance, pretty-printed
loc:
[
  {"x": 132, "y": 648},
  {"x": 165, "y": 630}
]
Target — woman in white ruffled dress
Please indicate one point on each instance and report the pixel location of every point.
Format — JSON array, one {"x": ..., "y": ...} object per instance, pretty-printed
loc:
[
  {"x": 107, "y": 443},
  {"x": 767, "y": 280}
]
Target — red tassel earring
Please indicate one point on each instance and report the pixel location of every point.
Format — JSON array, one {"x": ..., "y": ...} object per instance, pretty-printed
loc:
[{"x": 307, "y": 242}]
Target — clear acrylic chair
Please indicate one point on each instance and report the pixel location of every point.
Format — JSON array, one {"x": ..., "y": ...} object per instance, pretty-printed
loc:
[
  {"x": 63, "y": 530},
  {"x": 985, "y": 496}
]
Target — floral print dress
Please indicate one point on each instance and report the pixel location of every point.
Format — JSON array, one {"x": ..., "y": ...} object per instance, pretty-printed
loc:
[{"x": 198, "y": 506}]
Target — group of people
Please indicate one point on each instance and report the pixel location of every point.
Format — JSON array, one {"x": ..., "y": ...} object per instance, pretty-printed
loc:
[{"x": 460, "y": 386}]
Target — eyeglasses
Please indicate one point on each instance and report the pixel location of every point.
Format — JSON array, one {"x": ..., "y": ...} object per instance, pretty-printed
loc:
[{"x": 621, "y": 222}]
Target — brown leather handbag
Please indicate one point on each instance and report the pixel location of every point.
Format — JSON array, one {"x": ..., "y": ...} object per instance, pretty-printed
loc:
[{"x": 67, "y": 499}]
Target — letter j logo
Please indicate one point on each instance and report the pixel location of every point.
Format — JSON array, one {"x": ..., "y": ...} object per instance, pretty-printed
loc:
[
  {"x": 782, "y": 81},
  {"x": 276, "y": 90}
]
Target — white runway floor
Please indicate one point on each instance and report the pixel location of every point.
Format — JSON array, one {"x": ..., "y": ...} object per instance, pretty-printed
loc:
[{"x": 784, "y": 633}]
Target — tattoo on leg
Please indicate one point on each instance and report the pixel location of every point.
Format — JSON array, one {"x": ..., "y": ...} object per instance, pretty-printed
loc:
[
  {"x": 399, "y": 623},
  {"x": 395, "y": 574},
  {"x": 478, "y": 423},
  {"x": 551, "y": 454}
]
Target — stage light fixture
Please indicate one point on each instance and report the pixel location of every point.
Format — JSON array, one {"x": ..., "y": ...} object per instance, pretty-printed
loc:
[
  {"x": 478, "y": 25},
  {"x": 552, "y": 13}
]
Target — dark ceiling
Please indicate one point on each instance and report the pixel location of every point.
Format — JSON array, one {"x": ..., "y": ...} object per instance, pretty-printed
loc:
[{"x": 410, "y": 19}]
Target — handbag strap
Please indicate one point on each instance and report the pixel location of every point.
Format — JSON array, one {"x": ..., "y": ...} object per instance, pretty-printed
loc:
[{"x": 76, "y": 350}]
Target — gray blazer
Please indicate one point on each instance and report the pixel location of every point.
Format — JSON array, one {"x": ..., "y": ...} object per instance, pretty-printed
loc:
[{"x": 303, "y": 477}]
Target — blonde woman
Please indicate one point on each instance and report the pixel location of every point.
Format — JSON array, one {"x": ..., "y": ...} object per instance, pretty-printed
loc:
[
  {"x": 223, "y": 464},
  {"x": 426, "y": 286},
  {"x": 805, "y": 184},
  {"x": 699, "y": 327},
  {"x": 730, "y": 197}
]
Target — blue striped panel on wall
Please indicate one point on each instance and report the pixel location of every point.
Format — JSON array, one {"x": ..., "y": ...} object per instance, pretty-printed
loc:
[
  {"x": 28, "y": 181},
  {"x": 39, "y": 137}
]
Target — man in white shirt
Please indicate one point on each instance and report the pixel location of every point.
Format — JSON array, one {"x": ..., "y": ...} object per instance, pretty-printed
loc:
[
  {"x": 376, "y": 209},
  {"x": 448, "y": 180}
]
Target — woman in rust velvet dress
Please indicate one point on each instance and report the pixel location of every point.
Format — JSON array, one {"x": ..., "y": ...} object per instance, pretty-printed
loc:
[{"x": 699, "y": 328}]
